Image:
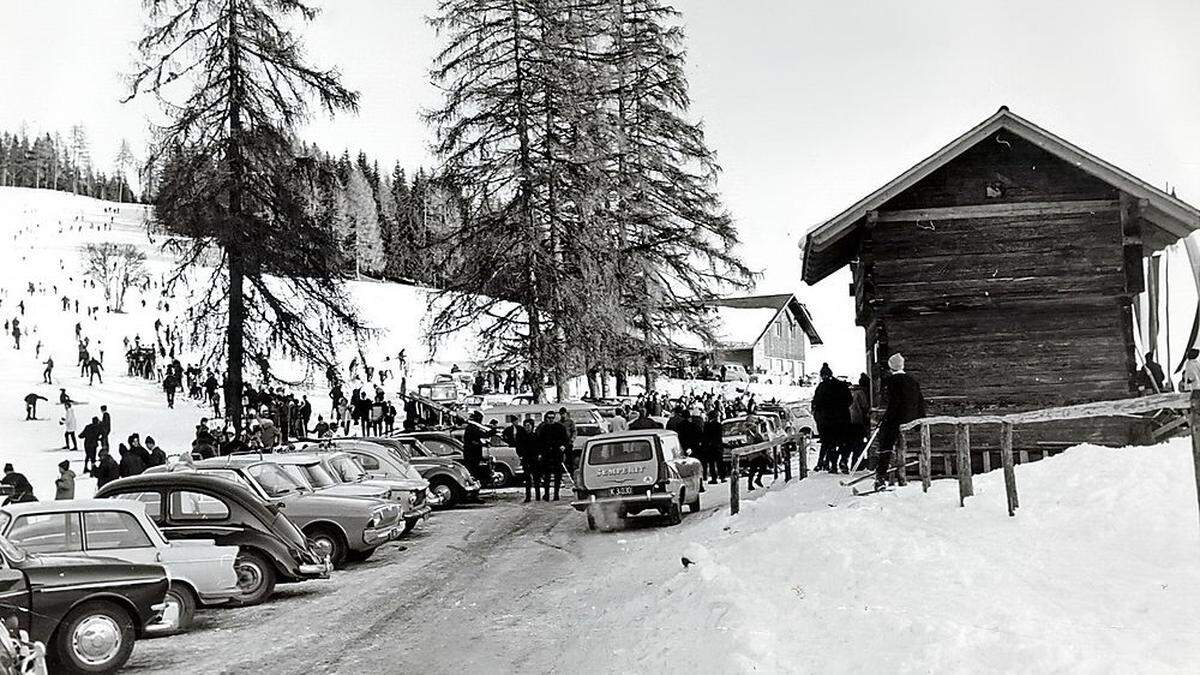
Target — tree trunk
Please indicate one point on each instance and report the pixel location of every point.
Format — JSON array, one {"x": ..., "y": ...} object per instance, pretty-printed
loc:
[{"x": 235, "y": 331}]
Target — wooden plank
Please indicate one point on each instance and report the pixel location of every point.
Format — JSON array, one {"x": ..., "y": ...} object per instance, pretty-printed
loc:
[
  {"x": 962, "y": 446},
  {"x": 735, "y": 502},
  {"x": 1010, "y": 474},
  {"x": 926, "y": 458},
  {"x": 1008, "y": 209},
  {"x": 1128, "y": 406},
  {"x": 987, "y": 461}
]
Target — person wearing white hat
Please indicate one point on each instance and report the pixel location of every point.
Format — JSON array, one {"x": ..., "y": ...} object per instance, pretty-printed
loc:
[{"x": 903, "y": 403}]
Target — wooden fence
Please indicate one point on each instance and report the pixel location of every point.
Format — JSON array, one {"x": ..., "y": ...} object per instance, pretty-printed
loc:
[
  {"x": 781, "y": 451},
  {"x": 962, "y": 435}
]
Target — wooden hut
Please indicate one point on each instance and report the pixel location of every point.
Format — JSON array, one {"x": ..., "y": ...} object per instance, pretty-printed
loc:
[{"x": 1004, "y": 267}]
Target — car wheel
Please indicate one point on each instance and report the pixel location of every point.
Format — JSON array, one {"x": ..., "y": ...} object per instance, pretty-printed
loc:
[
  {"x": 360, "y": 556},
  {"x": 329, "y": 543},
  {"x": 675, "y": 511},
  {"x": 502, "y": 476},
  {"x": 180, "y": 611},
  {"x": 445, "y": 491},
  {"x": 95, "y": 637},
  {"x": 255, "y": 578}
]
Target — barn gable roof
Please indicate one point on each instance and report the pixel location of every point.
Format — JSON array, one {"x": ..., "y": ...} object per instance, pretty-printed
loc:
[
  {"x": 832, "y": 244},
  {"x": 742, "y": 318}
]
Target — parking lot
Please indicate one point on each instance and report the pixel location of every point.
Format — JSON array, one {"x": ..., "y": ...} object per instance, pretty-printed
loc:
[{"x": 495, "y": 587}]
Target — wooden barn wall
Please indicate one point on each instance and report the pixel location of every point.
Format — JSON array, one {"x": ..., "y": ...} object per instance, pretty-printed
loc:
[{"x": 1005, "y": 313}]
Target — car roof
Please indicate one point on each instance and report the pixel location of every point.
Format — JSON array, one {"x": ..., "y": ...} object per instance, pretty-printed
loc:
[
  {"x": 539, "y": 407},
  {"x": 231, "y": 461},
  {"x": 632, "y": 433},
  {"x": 73, "y": 505},
  {"x": 188, "y": 478}
]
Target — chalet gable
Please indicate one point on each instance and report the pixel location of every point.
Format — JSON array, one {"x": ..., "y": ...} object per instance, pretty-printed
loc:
[
  {"x": 743, "y": 321},
  {"x": 835, "y": 242}
]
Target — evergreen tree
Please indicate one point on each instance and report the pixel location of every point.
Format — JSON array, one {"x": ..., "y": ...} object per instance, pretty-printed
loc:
[
  {"x": 235, "y": 86},
  {"x": 123, "y": 161},
  {"x": 364, "y": 222}
]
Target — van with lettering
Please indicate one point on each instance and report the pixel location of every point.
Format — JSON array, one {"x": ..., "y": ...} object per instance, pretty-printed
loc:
[{"x": 628, "y": 472}]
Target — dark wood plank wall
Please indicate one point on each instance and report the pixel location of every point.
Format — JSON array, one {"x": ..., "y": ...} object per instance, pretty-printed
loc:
[{"x": 1005, "y": 313}]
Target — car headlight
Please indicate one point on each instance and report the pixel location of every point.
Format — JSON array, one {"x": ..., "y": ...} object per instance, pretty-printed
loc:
[{"x": 375, "y": 520}]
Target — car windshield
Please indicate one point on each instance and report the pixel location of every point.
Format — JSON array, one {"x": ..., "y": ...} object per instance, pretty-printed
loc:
[
  {"x": 12, "y": 552},
  {"x": 273, "y": 480},
  {"x": 317, "y": 475},
  {"x": 346, "y": 470},
  {"x": 297, "y": 474}
]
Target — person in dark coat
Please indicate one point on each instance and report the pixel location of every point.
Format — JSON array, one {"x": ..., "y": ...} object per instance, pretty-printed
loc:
[
  {"x": 91, "y": 441},
  {"x": 473, "y": 441},
  {"x": 860, "y": 418},
  {"x": 691, "y": 439},
  {"x": 714, "y": 448},
  {"x": 131, "y": 463},
  {"x": 22, "y": 491},
  {"x": 902, "y": 403},
  {"x": 1151, "y": 377},
  {"x": 519, "y": 436},
  {"x": 105, "y": 426},
  {"x": 831, "y": 411},
  {"x": 157, "y": 456},
  {"x": 552, "y": 443},
  {"x": 639, "y": 420},
  {"x": 106, "y": 469}
]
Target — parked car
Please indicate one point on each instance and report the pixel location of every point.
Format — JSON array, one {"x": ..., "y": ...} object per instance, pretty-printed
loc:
[
  {"x": 344, "y": 528},
  {"x": 734, "y": 372},
  {"x": 87, "y": 611},
  {"x": 201, "y": 572},
  {"x": 450, "y": 483},
  {"x": 503, "y": 461},
  {"x": 734, "y": 435},
  {"x": 337, "y": 473},
  {"x": 189, "y": 505},
  {"x": 628, "y": 472}
]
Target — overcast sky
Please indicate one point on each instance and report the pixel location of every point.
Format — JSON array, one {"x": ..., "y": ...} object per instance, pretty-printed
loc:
[{"x": 809, "y": 105}]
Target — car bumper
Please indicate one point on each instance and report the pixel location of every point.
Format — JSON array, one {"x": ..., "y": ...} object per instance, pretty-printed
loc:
[
  {"x": 156, "y": 625},
  {"x": 382, "y": 535},
  {"x": 218, "y": 597},
  {"x": 624, "y": 502},
  {"x": 320, "y": 570},
  {"x": 417, "y": 512}
]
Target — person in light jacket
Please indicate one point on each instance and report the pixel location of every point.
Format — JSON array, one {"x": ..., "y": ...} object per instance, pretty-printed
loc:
[
  {"x": 64, "y": 485},
  {"x": 69, "y": 428}
]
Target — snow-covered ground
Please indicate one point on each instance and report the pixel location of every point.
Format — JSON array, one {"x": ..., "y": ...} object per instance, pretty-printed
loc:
[{"x": 1098, "y": 572}]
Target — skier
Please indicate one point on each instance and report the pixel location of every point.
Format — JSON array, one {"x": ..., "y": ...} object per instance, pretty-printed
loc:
[
  {"x": 91, "y": 440},
  {"x": 69, "y": 440},
  {"x": 860, "y": 417},
  {"x": 31, "y": 400},
  {"x": 16, "y": 333},
  {"x": 105, "y": 426},
  {"x": 904, "y": 404},
  {"x": 94, "y": 370},
  {"x": 64, "y": 485}
]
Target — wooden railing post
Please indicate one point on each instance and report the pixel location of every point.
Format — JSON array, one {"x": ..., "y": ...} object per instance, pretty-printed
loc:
[
  {"x": 926, "y": 461},
  {"x": 962, "y": 447},
  {"x": 1194, "y": 423},
  {"x": 802, "y": 455},
  {"x": 734, "y": 502},
  {"x": 787, "y": 460},
  {"x": 1010, "y": 473},
  {"x": 901, "y": 457},
  {"x": 775, "y": 462}
]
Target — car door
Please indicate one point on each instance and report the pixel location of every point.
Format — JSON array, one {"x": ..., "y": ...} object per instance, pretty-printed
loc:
[
  {"x": 118, "y": 534},
  {"x": 15, "y": 598}
]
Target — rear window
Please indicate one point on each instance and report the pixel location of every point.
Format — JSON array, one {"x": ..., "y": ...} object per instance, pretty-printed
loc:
[{"x": 617, "y": 453}]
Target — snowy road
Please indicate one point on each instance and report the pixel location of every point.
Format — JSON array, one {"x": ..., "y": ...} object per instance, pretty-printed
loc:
[{"x": 497, "y": 587}]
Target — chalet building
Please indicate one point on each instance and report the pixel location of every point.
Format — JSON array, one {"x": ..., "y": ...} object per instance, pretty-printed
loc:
[
  {"x": 765, "y": 334},
  {"x": 1004, "y": 267}
]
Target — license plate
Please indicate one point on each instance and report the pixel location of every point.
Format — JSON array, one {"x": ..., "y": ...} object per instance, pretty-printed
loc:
[{"x": 622, "y": 490}]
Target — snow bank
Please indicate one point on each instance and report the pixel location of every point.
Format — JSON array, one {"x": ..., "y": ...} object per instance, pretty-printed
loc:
[{"x": 1099, "y": 572}]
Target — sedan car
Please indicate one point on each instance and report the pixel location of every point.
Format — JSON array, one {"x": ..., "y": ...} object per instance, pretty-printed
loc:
[
  {"x": 344, "y": 528},
  {"x": 628, "y": 472},
  {"x": 201, "y": 572},
  {"x": 337, "y": 473},
  {"x": 505, "y": 465},
  {"x": 87, "y": 611},
  {"x": 449, "y": 480},
  {"x": 189, "y": 506}
]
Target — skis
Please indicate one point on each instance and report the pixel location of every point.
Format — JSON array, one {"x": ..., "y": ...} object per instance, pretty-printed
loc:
[
  {"x": 861, "y": 456},
  {"x": 877, "y": 490},
  {"x": 871, "y": 474}
]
